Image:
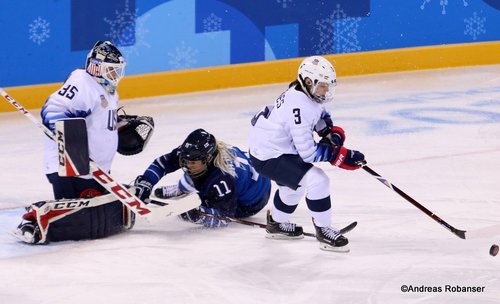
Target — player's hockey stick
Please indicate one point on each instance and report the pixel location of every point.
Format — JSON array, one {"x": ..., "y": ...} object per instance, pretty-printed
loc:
[
  {"x": 260, "y": 225},
  {"x": 455, "y": 231},
  {"x": 151, "y": 213}
]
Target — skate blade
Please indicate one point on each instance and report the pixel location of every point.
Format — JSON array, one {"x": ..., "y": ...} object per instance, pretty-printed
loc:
[
  {"x": 277, "y": 236},
  {"x": 22, "y": 237},
  {"x": 326, "y": 247}
]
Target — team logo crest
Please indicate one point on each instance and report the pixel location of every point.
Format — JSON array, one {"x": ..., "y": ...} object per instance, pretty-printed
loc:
[{"x": 104, "y": 102}]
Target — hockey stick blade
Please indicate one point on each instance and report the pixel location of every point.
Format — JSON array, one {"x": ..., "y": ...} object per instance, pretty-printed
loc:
[
  {"x": 455, "y": 231},
  {"x": 170, "y": 207},
  {"x": 343, "y": 230},
  {"x": 348, "y": 228}
]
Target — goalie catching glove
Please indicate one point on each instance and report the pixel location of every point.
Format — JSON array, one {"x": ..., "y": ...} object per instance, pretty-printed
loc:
[{"x": 134, "y": 133}]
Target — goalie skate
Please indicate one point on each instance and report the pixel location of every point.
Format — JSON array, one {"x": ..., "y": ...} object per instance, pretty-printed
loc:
[{"x": 27, "y": 232}]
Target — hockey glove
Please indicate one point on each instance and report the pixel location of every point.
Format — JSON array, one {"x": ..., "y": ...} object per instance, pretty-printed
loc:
[
  {"x": 208, "y": 217},
  {"x": 324, "y": 124},
  {"x": 348, "y": 159},
  {"x": 337, "y": 136},
  {"x": 212, "y": 218},
  {"x": 192, "y": 216},
  {"x": 143, "y": 187},
  {"x": 334, "y": 136}
]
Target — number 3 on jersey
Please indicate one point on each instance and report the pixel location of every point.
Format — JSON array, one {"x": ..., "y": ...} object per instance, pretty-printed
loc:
[{"x": 296, "y": 114}]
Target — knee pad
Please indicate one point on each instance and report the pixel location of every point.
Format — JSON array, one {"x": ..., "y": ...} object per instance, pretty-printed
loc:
[{"x": 316, "y": 184}]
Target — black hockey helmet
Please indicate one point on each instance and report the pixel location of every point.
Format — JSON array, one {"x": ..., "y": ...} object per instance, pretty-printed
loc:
[{"x": 199, "y": 145}]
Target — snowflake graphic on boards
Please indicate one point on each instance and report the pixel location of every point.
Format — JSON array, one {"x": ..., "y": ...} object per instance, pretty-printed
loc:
[
  {"x": 338, "y": 33},
  {"x": 284, "y": 3},
  {"x": 474, "y": 26},
  {"x": 184, "y": 57},
  {"x": 39, "y": 30},
  {"x": 212, "y": 24},
  {"x": 127, "y": 29},
  {"x": 443, "y": 4}
]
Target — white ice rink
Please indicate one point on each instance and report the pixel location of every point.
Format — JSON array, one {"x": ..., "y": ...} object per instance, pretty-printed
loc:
[{"x": 435, "y": 134}]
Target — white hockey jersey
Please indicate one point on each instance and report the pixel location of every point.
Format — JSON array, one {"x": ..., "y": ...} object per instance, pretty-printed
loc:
[
  {"x": 82, "y": 96},
  {"x": 286, "y": 127}
]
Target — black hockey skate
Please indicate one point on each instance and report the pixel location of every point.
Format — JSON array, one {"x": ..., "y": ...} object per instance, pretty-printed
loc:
[
  {"x": 170, "y": 192},
  {"x": 331, "y": 239},
  {"x": 282, "y": 230}
]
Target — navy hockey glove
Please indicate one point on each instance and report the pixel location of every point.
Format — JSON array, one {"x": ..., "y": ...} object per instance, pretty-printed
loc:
[
  {"x": 208, "y": 217},
  {"x": 348, "y": 159},
  {"x": 143, "y": 187},
  {"x": 212, "y": 218},
  {"x": 193, "y": 216}
]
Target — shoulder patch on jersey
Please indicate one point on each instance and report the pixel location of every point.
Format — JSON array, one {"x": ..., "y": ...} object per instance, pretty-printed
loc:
[{"x": 104, "y": 102}]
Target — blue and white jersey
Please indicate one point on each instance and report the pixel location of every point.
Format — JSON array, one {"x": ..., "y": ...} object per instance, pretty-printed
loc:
[
  {"x": 82, "y": 96},
  {"x": 286, "y": 127},
  {"x": 217, "y": 189}
]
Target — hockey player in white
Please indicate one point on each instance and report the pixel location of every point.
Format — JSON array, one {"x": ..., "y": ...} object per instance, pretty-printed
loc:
[
  {"x": 88, "y": 93},
  {"x": 283, "y": 148}
]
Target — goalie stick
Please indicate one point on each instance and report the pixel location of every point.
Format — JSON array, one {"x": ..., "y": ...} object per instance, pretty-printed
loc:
[
  {"x": 120, "y": 192},
  {"x": 343, "y": 230},
  {"x": 455, "y": 231}
]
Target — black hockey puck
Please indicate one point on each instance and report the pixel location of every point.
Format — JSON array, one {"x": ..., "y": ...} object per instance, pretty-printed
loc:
[{"x": 494, "y": 250}]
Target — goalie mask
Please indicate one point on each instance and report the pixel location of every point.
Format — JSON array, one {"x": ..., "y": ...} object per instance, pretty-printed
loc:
[
  {"x": 198, "y": 146},
  {"x": 106, "y": 64},
  {"x": 318, "y": 78},
  {"x": 134, "y": 133}
]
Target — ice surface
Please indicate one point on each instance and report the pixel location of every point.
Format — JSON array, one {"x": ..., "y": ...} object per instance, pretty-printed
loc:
[{"x": 435, "y": 134}]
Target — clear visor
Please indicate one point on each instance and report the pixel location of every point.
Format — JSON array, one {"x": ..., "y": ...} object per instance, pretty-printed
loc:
[
  {"x": 113, "y": 72},
  {"x": 194, "y": 168},
  {"x": 323, "y": 92}
]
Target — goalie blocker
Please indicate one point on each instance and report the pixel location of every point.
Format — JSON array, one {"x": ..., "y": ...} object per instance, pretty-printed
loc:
[
  {"x": 134, "y": 133},
  {"x": 72, "y": 147}
]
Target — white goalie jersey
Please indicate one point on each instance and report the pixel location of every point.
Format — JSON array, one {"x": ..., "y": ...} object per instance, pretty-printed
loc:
[
  {"x": 286, "y": 127},
  {"x": 82, "y": 96}
]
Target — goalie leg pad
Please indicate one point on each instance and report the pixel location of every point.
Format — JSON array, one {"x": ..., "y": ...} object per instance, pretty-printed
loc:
[
  {"x": 74, "y": 219},
  {"x": 88, "y": 223}
]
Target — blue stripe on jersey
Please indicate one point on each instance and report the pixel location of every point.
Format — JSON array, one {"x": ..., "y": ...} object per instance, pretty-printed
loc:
[
  {"x": 159, "y": 168},
  {"x": 50, "y": 114},
  {"x": 324, "y": 152},
  {"x": 250, "y": 186},
  {"x": 79, "y": 113}
]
